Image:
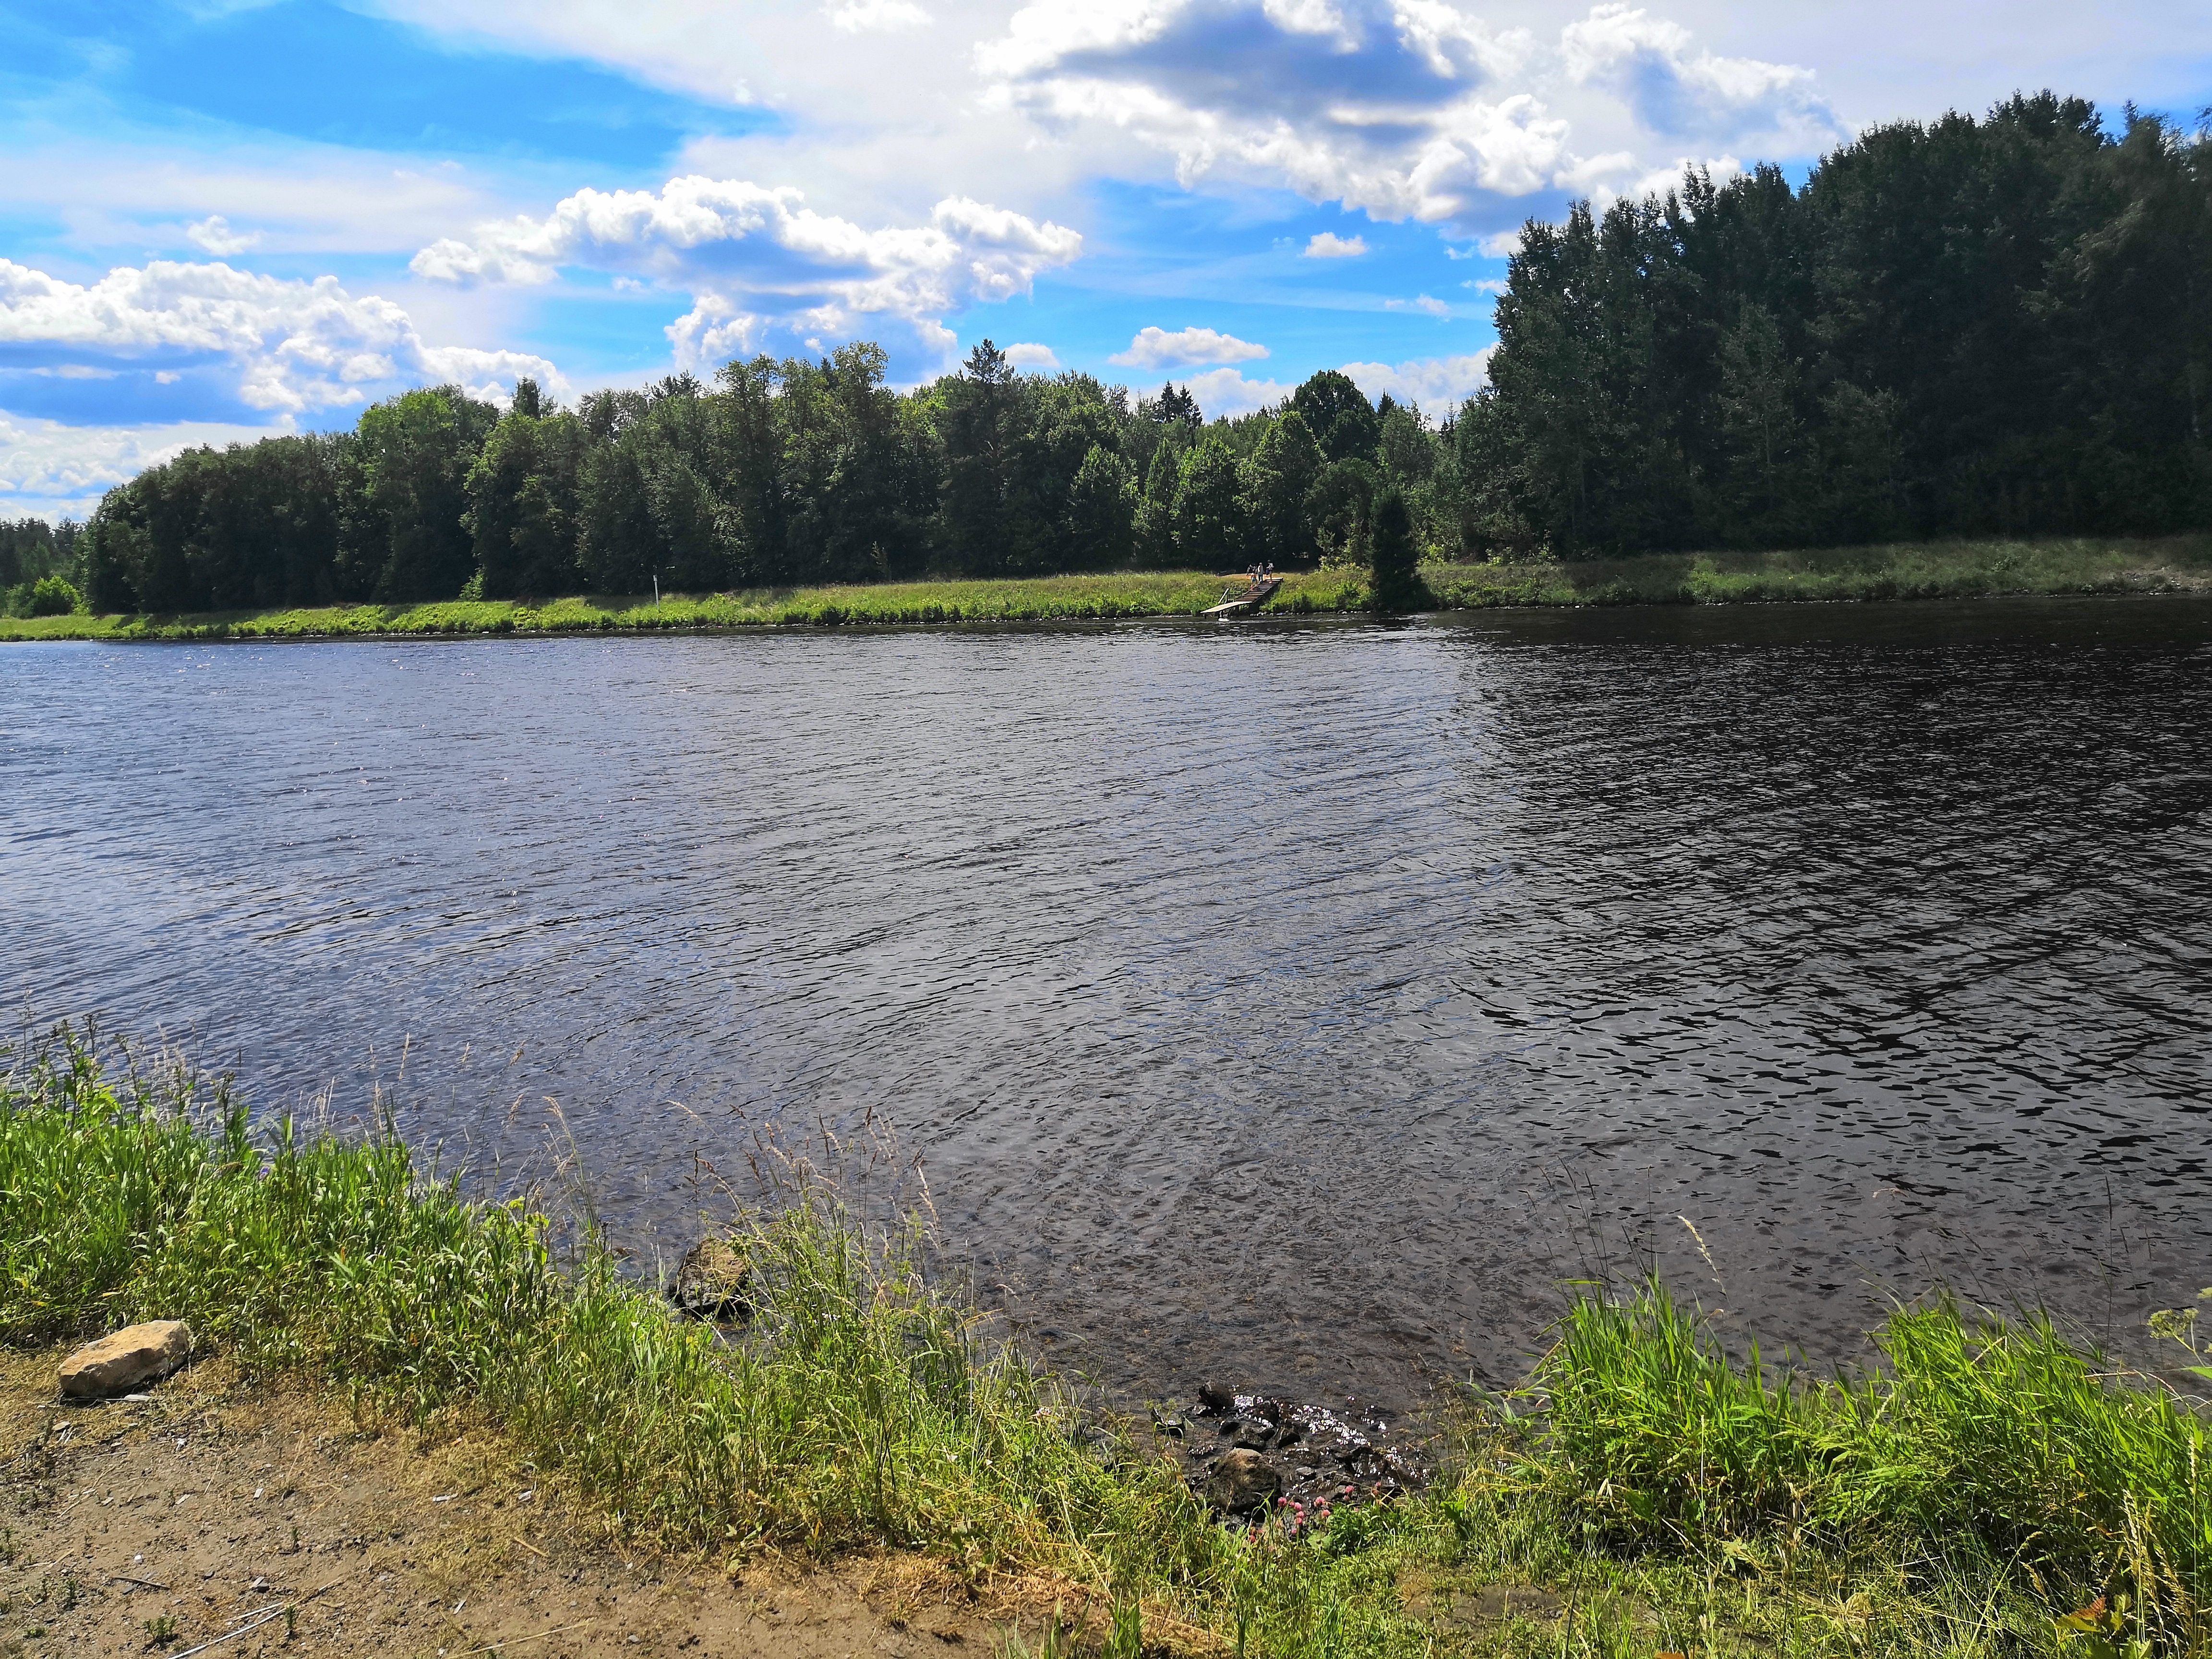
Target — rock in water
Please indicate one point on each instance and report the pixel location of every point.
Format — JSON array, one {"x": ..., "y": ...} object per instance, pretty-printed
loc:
[
  {"x": 1247, "y": 1433},
  {"x": 711, "y": 1282},
  {"x": 1215, "y": 1398},
  {"x": 127, "y": 1359},
  {"x": 1241, "y": 1481}
]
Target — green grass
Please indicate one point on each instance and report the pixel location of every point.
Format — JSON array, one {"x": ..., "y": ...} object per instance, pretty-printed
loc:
[
  {"x": 1044, "y": 598},
  {"x": 1962, "y": 1498},
  {"x": 2001, "y": 1449},
  {"x": 1904, "y": 571},
  {"x": 1909, "y": 570}
]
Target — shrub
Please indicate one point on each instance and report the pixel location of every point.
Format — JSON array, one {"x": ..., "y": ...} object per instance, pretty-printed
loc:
[{"x": 50, "y": 596}]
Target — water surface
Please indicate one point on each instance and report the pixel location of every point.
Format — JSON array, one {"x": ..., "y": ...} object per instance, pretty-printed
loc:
[{"x": 1299, "y": 1004}]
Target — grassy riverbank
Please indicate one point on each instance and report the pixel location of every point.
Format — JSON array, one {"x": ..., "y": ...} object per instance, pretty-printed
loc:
[
  {"x": 1043, "y": 598},
  {"x": 1962, "y": 1498},
  {"x": 1909, "y": 570},
  {"x": 1906, "y": 571}
]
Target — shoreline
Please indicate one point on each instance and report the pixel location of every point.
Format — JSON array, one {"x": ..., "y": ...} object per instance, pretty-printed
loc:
[
  {"x": 1988, "y": 1488},
  {"x": 1910, "y": 571}
]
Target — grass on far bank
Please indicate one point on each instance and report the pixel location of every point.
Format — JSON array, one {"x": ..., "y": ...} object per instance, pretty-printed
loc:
[
  {"x": 1904, "y": 570},
  {"x": 1964, "y": 1496},
  {"x": 1901, "y": 571},
  {"x": 1013, "y": 599}
]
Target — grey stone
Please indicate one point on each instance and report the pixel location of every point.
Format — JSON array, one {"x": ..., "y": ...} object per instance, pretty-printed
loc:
[{"x": 1246, "y": 1433}]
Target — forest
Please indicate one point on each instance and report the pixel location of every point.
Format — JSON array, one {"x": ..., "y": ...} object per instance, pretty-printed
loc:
[{"x": 1972, "y": 326}]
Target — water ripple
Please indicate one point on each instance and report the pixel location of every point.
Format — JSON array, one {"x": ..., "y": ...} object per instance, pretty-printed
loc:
[{"x": 1302, "y": 1002}]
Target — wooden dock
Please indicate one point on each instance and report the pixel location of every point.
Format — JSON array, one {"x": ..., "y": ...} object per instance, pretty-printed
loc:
[{"x": 1247, "y": 598}]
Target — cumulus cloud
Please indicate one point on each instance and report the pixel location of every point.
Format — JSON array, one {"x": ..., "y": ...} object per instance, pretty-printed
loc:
[
  {"x": 50, "y": 471},
  {"x": 1223, "y": 392},
  {"x": 1026, "y": 353},
  {"x": 215, "y": 234},
  {"x": 1432, "y": 382},
  {"x": 1435, "y": 383},
  {"x": 1648, "y": 62},
  {"x": 1155, "y": 348},
  {"x": 1422, "y": 302},
  {"x": 755, "y": 258},
  {"x": 294, "y": 347},
  {"x": 1327, "y": 244},
  {"x": 1403, "y": 108}
]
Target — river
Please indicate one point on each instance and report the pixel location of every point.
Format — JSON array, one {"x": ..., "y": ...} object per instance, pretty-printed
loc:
[{"x": 1297, "y": 1004}]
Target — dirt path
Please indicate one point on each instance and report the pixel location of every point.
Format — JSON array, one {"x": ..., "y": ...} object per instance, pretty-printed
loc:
[{"x": 201, "y": 1514}]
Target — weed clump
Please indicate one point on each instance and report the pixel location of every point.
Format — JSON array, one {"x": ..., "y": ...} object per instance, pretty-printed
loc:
[{"x": 1977, "y": 1457}]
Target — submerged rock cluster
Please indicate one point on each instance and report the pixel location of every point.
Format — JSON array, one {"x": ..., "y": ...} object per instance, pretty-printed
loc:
[{"x": 1250, "y": 1454}]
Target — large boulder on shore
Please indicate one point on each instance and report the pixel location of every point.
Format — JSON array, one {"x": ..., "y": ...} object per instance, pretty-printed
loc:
[
  {"x": 127, "y": 1359},
  {"x": 1241, "y": 1482}
]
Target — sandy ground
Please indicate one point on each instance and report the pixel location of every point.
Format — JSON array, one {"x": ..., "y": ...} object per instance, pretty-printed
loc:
[{"x": 192, "y": 1520}]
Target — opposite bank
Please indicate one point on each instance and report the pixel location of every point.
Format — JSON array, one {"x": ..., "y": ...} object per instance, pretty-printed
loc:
[{"x": 1962, "y": 569}]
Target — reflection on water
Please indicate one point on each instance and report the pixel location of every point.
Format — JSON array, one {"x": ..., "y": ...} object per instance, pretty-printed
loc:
[{"x": 1300, "y": 1003}]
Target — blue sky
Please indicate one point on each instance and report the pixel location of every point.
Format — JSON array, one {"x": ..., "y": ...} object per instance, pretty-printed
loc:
[{"x": 230, "y": 217}]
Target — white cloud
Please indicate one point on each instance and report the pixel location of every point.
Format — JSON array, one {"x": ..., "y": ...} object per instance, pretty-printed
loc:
[
  {"x": 1884, "y": 59},
  {"x": 1501, "y": 245},
  {"x": 1155, "y": 348},
  {"x": 1327, "y": 244},
  {"x": 860, "y": 16},
  {"x": 1403, "y": 108},
  {"x": 215, "y": 234},
  {"x": 50, "y": 471},
  {"x": 1487, "y": 285},
  {"x": 1428, "y": 109},
  {"x": 293, "y": 346},
  {"x": 1028, "y": 355},
  {"x": 1648, "y": 62},
  {"x": 114, "y": 187},
  {"x": 1434, "y": 383},
  {"x": 1433, "y": 307},
  {"x": 755, "y": 258},
  {"x": 1223, "y": 392}
]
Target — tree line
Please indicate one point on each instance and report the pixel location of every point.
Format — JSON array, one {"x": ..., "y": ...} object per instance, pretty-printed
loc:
[
  {"x": 1965, "y": 327},
  {"x": 774, "y": 473},
  {"x": 2001, "y": 324}
]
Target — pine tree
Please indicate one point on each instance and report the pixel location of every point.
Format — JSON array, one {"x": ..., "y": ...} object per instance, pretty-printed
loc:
[{"x": 1392, "y": 553}]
